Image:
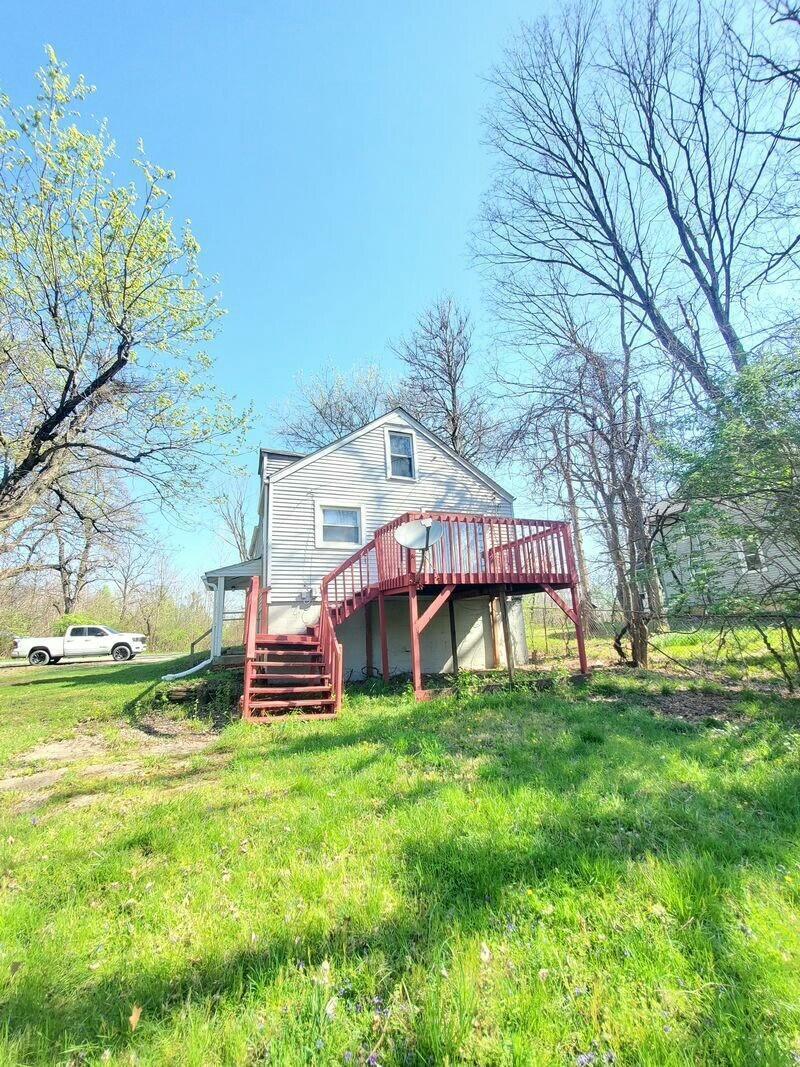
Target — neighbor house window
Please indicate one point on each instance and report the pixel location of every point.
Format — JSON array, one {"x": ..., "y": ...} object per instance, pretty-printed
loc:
[
  {"x": 401, "y": 462},
  {"x": 339, "y": 525},
  {"x": 751, "y": 553}
]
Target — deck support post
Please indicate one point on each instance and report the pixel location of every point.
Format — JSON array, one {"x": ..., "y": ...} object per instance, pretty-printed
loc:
[
  {"x": 384, "y": 636},
  {"x": 416, "y": 669},
  {"x": 368, "y": 639},
  {"x": 451, "y": 606},
  {"x": 493, "y": 628},
  {"x": 574, "y": 614},
  {"x": 507, "y": 636}
]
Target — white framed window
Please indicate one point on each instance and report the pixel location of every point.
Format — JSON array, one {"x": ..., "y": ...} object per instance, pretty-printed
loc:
[
  {"x": 750, "y": 552},
  {"x": 401, "y": 454},
  {"x": 339, "y": 524}
]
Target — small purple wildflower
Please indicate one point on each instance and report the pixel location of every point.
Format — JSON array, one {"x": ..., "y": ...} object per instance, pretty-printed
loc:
[
  {"x": 373, "y": 1060},
  {"x": 348, "y": 1057},
  {"x": 585, "y": 1059}
]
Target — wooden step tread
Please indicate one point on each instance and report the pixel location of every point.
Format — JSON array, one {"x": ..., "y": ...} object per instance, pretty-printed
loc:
[
  {"x": 299, "y": 681},
  {"x": 313, "y": 703},
  {"x": 303, "y": 716},
  {"x": 280, "y": 640},
  {"x": 280, "y": 654},
  {"x": 289, "y": 664},
  {"x": 279, "y": 690}
]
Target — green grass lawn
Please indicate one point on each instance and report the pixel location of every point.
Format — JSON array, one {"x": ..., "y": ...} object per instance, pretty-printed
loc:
[{"x": 504, "y": 878}]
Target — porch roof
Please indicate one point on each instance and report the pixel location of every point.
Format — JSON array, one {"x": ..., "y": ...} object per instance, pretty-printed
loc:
[{"x": 236, "y": 575}]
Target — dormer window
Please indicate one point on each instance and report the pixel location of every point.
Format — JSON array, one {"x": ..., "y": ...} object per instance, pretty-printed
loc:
[{"x": 401, "y": 460}]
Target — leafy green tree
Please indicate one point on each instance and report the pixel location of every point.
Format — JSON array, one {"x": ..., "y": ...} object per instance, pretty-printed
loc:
[
  {"x": 104, "y": 318},
  {"x": 740, "y": 488}
]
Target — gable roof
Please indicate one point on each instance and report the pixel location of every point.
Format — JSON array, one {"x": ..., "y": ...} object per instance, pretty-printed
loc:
[
  {"x": 282, "y": 452},
  {"x": 423, "y": 431}
]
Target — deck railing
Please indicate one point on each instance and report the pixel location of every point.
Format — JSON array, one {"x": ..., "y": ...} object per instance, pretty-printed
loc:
[
  {"x": 350, "y": 585},
  {"x": 474, "y": 550},
  {"x": 478, "y": 550}
]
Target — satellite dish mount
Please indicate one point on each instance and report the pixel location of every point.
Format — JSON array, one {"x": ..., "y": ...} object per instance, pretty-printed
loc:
[{"x": 419, "y": 535}]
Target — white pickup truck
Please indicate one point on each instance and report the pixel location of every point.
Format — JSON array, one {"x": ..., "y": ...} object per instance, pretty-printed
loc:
[{"x": 80, "y": 641}]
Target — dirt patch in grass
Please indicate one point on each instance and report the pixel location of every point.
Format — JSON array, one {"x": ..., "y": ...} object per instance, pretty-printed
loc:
[
  {"x": 155, "y": 734},
  {"x": 32, "y": 783},
  {"x": 70, "y": 750},
  {"x": 92, "y": 757}
]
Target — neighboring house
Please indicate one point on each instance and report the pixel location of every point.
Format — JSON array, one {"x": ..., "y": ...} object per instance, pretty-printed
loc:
[
  {"x": 710, "y": 556},
  {"x": 325, "y": 553}
]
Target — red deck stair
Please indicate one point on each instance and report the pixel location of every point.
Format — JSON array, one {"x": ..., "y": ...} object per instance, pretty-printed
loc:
[
  {"x": 285, "y": 673},
  {"x": 478, "y": 554}
]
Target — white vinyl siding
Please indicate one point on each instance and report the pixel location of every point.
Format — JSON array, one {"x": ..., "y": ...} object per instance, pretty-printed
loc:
[{"x": 354, "y": 475}]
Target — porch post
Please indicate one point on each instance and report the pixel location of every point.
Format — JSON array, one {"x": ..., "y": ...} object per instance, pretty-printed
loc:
[
  {"x": 384, "y": 636},
  {"x": 217, "y": 618},
  {"x": 507, "y": 636},
  {"x": 413, "y": 612}
]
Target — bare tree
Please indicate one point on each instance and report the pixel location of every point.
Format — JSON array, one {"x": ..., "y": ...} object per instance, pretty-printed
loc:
[
  {"x": 435, "y": 388},
  {"x": 92, "y": 523},
  {"x": 331, "y": 404},
  {"x": 127, "y": 569},
  {"x": 643, "y": 165},
  {"x": 584, "y": 425},
  {"x": 231, "y": 505}
]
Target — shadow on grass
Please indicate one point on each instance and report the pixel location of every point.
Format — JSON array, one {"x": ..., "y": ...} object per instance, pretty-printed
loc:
[{"x": 452, "y": 884}]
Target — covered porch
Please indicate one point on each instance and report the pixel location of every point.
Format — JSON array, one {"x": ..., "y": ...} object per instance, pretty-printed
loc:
[{"x": 228, "y": 611}]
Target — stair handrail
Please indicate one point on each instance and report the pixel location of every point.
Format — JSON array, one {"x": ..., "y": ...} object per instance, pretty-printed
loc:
[
  {"x": 331, "y": 649},
  {"x": 251, "y": 602},
  {"x": 359, "y": 568}
]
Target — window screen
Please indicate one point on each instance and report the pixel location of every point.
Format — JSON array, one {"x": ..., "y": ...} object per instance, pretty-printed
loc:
[
  {"x": 341, "y": 525},
  {"x": 401, "y": 449},
  {"x": 751, "y": 550}
]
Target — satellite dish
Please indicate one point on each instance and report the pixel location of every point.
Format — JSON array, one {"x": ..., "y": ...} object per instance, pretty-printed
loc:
[{"x": 419, "y": 533}]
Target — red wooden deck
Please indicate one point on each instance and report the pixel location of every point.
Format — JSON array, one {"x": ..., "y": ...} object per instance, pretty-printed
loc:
[{"x": 478, "y": 554}]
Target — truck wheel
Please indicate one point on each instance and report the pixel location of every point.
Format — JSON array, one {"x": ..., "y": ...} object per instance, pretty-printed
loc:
[
  {"x": 38, "y": 657},
  {"x": 121, "y": 653}
]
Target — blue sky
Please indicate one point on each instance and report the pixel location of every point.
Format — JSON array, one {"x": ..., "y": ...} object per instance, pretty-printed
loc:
[{"x": 329, "y": 156}]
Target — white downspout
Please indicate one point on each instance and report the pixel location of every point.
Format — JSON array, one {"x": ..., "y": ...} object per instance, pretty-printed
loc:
[{"x": 216, "y": 636}]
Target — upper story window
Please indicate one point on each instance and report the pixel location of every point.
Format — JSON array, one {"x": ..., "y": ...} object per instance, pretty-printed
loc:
[
  {"x": 751, "y": 552},
  {"x": 339, "y": 526},
  {"x": 401, "y": 461}
]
